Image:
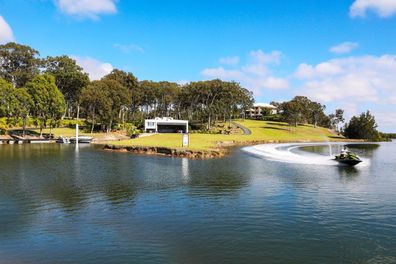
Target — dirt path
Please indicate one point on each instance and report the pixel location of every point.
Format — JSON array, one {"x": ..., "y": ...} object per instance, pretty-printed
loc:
[{"x": 246, "y": 131}]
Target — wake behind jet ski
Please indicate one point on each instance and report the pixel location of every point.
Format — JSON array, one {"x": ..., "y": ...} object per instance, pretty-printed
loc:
[{"x": 347, "y": 157}]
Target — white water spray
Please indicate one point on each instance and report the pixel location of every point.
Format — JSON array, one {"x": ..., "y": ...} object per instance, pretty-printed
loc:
[
  {"x": 330, "y": 149},
  {"x": 285, "y": 153}
]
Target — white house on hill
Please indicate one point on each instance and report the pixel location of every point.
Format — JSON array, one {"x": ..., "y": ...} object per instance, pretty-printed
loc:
[
  {"x": 165, "y": 125},
  {"x": 261, "y": 108}
]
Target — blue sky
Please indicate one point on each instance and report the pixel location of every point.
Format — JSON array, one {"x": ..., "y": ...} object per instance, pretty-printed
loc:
[{"x": 341, "y": 53}]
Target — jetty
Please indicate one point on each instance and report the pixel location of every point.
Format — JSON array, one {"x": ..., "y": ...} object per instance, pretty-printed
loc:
[
  {"x": 6, "y": 139},
  {"x": 18, "y": 137}
]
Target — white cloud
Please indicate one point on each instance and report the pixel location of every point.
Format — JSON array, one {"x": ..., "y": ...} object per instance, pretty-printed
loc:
[
  {"x": 230, "y": 61},
  {"x": 96, "y": 69},
  {"x": 345, "y": 47},
  {"x": 306, "y": 71},
  {"x": 266, "y": 58},
  {"x": 275, "y": 83},
  {"x": 256, "y": 75},
  {"x": 87, "y": 8},
  {"x": 182, "y": 82},
  {"x": 391, "y": 100},
  {"x": 366, "y": 78},
  {"x": 386, "y": 121},
  {"x": 383, "y": 8},
  {"x": 128, "y": 48},
  {"x": 354, "y": 83},
  {"x": 6, "y": 34},
  {"x": 222, "y": 73}
]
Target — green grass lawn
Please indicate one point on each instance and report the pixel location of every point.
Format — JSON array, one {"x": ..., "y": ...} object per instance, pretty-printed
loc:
[
  {"x": 61, "y": 131},
  {"x": 262, "y": 131}
]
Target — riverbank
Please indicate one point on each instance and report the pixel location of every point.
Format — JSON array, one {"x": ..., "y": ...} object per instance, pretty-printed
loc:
[{"x": 204, "y": 146}]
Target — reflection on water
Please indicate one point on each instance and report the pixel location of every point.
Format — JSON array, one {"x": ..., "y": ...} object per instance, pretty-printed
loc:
[
  {"x": 59, "y": 205},
  {"x": 348, "y": 173},
  {"x": 185, "y": 170},
  {"x": 367, "y": 150}
]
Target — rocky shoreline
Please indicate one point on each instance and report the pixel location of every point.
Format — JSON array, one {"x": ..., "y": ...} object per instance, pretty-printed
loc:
[{"x": 169, "y": 152}]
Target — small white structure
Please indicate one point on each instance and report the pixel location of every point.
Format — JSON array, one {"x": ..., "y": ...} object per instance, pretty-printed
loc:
[
  {"x": 259, "y": 108},
  {"x": 165, "y": 125}
]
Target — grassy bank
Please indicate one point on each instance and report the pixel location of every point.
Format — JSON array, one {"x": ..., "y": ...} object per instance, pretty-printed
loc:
[
  {"x": 61, "y": 131},
  {"x": 262, "y": 131}
]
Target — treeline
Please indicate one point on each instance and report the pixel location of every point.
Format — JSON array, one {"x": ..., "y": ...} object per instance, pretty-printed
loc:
[
  {"x": 52, "y": 88},
  {"x": 390, "y": 135},
  {"x": 301, "y": 110},
  {"x": 47, "y": 90}
]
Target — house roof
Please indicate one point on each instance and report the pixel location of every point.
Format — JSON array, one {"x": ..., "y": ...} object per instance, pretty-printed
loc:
[
  {"x": 264, "y": 105},
  {"x": 167, "y": 120}
]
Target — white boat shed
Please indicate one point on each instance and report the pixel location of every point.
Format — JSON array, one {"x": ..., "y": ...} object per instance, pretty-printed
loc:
[{"x": 165, "y": 125}]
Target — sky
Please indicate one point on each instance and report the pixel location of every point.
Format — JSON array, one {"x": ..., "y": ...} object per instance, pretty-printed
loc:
[{"x": 341, "y": 53}]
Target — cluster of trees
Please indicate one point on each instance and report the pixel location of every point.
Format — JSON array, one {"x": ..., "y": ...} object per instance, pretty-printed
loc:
[
  {"x": 301, "y": 110},
  {"x": 39, "y": 98},
  {"x": 389, "y": 136},
  {"x": 364, "y": 126},
  {"x": 211, "y": 101},
  {"x": 119, "y": 96},
  {"x": 49, "y": 89},
  {"x": 41, "y": 88}
]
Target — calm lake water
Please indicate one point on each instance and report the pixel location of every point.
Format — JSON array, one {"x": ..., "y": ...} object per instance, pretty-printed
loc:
[{"x": 59, "y": 205}]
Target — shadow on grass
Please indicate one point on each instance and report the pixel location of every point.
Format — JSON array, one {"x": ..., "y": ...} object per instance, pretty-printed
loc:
[
  {"x": 336, "y": 137},
  {"x": 277, "y": 124},
  {"x": 276, "y": 128}
]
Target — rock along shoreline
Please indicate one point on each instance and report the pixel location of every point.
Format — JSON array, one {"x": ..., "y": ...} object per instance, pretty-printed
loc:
[{"x": 169, "y": 152}]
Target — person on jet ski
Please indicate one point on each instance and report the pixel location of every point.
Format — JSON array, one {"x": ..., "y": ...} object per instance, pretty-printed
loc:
[{"x": 344, "y": 152}]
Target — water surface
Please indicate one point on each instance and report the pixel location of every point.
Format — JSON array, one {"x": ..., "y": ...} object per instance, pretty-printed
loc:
[{"x": 59, "y": 205}]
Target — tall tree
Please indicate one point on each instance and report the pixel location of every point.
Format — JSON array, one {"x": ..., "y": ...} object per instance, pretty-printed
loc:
[
  {"x": 296, "y": 111},
  {"x": 49, "y": 102},
  {"x": 210, "y": 100},
  {"x": 7, "y": 98},
  {"x": 208, "y": 94},
  {"x": 292, "y": 113},
  {"x": 104, "y": 100},
  {"x": 69, "y": 78},
  {"x": 337, "y": 118},
  {"x": 316, "y": 112},
  {"x": 120, "y": 99},
  {"x": 18, "y": 63},
  {"x": 166, "y": 95},
  {"x": 362, "y": 127},
  {"x": 149, "y": 97},
  {"x": 127, "y": 79},
  {"x": 96, "y": 101},
  {"x": 234, "y": 100},
  {"x": 131, "y": 83},
  {"x": 302, "y": 110},
  {"x": 23, "y": 106}
]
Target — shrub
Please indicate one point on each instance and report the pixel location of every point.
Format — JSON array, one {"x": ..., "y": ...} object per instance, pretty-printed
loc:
[
  {"x": 130, "y": 129},
  {"x": 71, "y": 123},
  {"x": 3, "y": 130}
]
